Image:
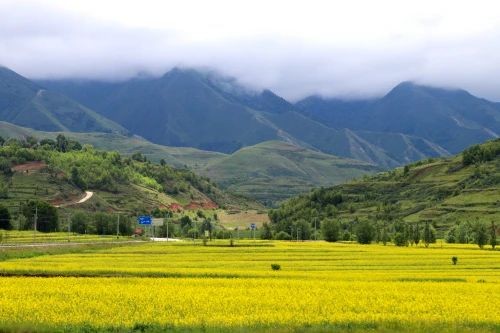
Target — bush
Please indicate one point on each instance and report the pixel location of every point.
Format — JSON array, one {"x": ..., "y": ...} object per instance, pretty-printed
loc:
[
  {"x": 283, "y": 235},
  {"x": 454, "y": 260},
  {"x": 275, "y": 267}
]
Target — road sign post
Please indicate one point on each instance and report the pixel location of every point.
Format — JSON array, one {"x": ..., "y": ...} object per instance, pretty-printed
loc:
[{"x": 253, "y": 226}]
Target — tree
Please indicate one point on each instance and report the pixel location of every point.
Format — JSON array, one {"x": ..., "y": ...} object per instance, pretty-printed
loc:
[
  {"x": 4, "y": 190},
  {"x": 47, "y": 217},
  {"x": 481, "y": 234},
  {"x": 406, "y": 170},
  {"x": 416, "y": 234},
  {"x": 77, "y": 179},
  {"x": 493, "y": 235},
  {"x": 365, "y": 232},
  {"x": 61, "y": 143},
  {"x": 429, "y": 234},
  {"x": 451, "y": 235},
  {"x": 48, "y": 143},
  {"x": 330, "y": 230},
  {"x": 5, "y": 222},
  {"x": 385, "y": 235},
  {"x": 162, "y": 162},
  {"x": 207, "y": 226},
  {"x": 400, "y": 233},
  {"x": 266, "y": 231},
  {"x": 80, "y": 223},
  {"x": 304, "y": 229},
  {"x": 186, "y": 221},
  {"x": 2, "y": 141},
  {"x": 464, "y": 233},
  {"x": 31, "y": 141}
]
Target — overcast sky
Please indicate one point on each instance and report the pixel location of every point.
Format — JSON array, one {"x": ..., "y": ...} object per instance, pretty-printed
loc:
[{"x": 295, "y": 48}]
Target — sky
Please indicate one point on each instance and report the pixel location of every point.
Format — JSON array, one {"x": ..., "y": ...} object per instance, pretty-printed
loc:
[{"x": 348, "y": 49}]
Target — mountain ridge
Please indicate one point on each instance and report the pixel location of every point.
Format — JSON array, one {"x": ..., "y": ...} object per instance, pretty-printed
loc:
[
  {"x": 25, "y": 103},
  {"x": 186, "y": 107}
]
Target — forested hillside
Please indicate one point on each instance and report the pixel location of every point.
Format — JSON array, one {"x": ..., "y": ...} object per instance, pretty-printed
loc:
[
  {"x": 445, "y": 192},
  {"x": 58, "y": 171}
]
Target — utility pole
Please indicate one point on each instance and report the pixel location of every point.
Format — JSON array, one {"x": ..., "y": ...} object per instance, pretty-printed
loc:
[
  {"x": 315, "y": 231},
  {"x": 118, "y": 227},
  {"x": 69, "y": 228},
  {"x": 167, "y": 230},
  {"x": 34, "y": 222}
]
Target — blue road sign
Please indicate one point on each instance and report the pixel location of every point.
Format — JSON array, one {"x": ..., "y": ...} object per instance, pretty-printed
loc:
[{"x": 144, "y": 219}]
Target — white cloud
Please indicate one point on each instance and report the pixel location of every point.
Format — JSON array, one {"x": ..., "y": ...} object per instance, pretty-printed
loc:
[{"x": 346, "y": 48}]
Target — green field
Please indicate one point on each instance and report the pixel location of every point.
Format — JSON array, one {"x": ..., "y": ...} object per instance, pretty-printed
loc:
[{"x": 321, "y": 287}]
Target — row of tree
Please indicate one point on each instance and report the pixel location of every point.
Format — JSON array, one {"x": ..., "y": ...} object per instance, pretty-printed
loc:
[
  {"x": 478, "y": 233},
  {"x": 397, "y": 232}
]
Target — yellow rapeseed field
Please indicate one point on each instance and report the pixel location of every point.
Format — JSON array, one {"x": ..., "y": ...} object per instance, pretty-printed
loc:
[{"x": 320, "y": 287}]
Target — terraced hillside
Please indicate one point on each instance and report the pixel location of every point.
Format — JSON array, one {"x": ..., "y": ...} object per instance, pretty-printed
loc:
[
  {"x": 40, "y": 171},
  {"x": 443, "y": 191},
  {"x": 275, "y": 170}
]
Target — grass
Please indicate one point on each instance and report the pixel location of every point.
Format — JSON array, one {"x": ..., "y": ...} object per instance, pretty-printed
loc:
[
  {"x": 272, "y": 171},
  {"x": 185, "y": 287}
]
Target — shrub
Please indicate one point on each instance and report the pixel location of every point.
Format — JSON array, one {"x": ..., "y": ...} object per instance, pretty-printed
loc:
[
  {"x": 283, "y": 235},
  {"x": 454, "y": 260},
  {"x": 275, "y": 267}
]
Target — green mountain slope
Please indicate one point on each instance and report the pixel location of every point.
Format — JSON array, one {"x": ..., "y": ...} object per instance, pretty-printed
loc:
[
  {"x": 442, "y": 191},
  {"x": 275, "y": 170},
  {"x": 186, "y": 107},
  {"x": 25, "y": 103}
]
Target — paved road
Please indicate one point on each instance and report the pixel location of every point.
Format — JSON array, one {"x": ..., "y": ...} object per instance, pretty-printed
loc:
[
  {"x": 9, "y": 246},
  {"x": 88, "y": 195}
]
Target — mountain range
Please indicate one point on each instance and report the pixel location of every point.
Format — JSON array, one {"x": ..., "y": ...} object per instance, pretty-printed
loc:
[
  {"x": 451, "y": 118},
  {"x": 254, "y": 142},
  {"x": 204, "y": 110}
]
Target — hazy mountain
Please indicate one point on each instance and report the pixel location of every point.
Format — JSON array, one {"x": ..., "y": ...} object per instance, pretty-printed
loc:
[
  {"x": 206, "y": 111},
  {"x": 25, "y": 103},
  {"x": 452, "y": 119},
  {"x": 181, "y": 108}
]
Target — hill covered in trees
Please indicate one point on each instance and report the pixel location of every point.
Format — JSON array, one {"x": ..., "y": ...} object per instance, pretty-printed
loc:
[
  {"x": 442, "y": 193},
  {"x": 57, "y": 172}
]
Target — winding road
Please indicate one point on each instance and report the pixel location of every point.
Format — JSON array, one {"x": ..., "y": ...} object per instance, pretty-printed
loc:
[{"x": 88, "y": 195}]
